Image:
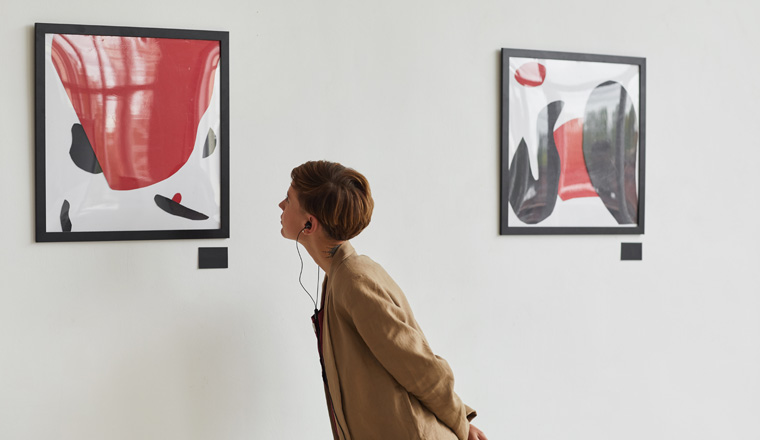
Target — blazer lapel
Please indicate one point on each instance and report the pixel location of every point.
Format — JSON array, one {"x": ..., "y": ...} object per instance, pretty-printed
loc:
[{"x": 331, "y": 368}]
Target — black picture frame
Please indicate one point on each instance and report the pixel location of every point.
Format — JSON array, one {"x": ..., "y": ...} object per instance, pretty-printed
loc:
[
  {"x": 543, "y": 93},
  {"x": 114, "y": 108}
]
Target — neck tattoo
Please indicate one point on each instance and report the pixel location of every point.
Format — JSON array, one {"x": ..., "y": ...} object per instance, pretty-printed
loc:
[{"x": 331, "y": 252}]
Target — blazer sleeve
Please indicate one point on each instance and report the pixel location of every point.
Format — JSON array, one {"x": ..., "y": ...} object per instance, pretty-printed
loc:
[{"x": 391, "y": 334}]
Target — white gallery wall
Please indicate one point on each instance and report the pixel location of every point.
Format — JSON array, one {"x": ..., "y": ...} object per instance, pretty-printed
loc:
[{"x": 549, "y": 337}]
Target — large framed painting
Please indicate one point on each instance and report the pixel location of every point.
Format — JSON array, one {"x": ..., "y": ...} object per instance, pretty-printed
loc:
[
  {"x": 572, "y": 143},
  {"x": 132, "y": 133}
]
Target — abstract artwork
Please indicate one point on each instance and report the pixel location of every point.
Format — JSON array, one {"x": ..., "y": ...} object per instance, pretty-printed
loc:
[
  {"x": 572, "y": 143},
  {"x": 131, "y": 133}
]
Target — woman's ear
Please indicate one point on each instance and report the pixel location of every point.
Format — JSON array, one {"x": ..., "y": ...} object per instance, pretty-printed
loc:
[{"x": 310, "y": 224}]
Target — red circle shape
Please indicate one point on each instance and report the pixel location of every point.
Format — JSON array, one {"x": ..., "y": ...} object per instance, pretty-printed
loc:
[
  {"x": 531, "y": 74},
  {"x": 177, "y": 198}
]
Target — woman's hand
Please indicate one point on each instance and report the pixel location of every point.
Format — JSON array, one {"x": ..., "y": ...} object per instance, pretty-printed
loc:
[{"x": 476, "y": 434}]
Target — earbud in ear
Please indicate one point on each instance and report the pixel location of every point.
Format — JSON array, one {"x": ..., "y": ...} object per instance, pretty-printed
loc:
[{"x": 307, "y": 225}]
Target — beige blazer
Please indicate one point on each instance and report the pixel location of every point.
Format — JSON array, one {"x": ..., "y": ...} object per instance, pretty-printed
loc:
[{"x": 384, "y": 380}]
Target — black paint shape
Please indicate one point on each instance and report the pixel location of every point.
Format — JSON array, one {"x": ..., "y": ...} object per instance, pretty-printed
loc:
[
  {"x": 630, "y": 251},
  {"x": 65, "y": 220},
  {"x": 210, "y": 146},
  {"x": 532, "y": 199},
  {"x": 81, "y": 151},
  {"x": 610, "y": 140},
  {"x": 212, "y": 258},
  {"x": 175, "y": 208}
]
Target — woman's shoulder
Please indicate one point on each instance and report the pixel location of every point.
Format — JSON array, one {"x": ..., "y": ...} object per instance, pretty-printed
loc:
[
  {"x": 363, "y": 284},
  {"x": 359, "y": 267}
]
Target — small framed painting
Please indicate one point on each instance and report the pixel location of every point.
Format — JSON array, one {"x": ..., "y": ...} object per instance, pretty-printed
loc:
[
  {"x": 132, "y": 133},
  {"x": 572, "y": 143}
]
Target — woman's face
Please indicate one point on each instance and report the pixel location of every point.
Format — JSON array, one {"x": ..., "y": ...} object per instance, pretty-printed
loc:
[{"x": 293, "y": 218}]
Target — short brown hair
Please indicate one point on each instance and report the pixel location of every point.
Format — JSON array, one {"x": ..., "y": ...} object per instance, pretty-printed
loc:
[{"x": 339, "y": 197}]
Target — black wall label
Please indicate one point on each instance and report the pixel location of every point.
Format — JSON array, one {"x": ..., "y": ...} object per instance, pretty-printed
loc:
[
  {"x": 212, "y": 258},
  {"x": 630, "y": 251}
]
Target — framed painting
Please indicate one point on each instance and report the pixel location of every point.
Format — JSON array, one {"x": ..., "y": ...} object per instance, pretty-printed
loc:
[
  {"x": 572, "y": 143},
  {"x": 132, "y": 133}
]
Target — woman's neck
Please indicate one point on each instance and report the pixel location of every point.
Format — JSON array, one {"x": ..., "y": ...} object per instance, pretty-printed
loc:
[{"x": 322, "y": 251}]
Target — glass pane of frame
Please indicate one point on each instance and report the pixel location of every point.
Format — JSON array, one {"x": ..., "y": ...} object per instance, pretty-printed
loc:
[
  {"x": 131, "y": 133},
  {"x": 572, "y": 144}
]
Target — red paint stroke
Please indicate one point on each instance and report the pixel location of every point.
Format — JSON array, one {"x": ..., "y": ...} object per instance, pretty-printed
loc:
[
  {"x": 177, "y": 198},
  {"x": 531, "y": 74},
  {"x": 574, "y": 181},
  {"x": 139, "y": 100}
]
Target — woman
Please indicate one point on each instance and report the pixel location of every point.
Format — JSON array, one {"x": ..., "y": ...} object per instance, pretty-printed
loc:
[{"x": 382, "y": 380}]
